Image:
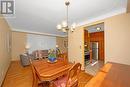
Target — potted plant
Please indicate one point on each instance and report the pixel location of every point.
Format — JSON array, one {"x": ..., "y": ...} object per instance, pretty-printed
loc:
[{"x": 52, "y": 55}]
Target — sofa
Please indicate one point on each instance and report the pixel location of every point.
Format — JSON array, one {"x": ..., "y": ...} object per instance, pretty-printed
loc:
[{"x": 35, "y": 55}]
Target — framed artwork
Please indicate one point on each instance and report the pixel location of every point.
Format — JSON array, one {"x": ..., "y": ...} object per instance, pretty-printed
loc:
[{"x": 65, "y": 43}]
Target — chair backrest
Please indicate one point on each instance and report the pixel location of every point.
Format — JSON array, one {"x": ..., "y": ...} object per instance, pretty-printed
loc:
[
  {"x": 72, "y": 79},
  {"x": 35, "y": 80},
  {"x": 35, "y": 76},
  {"x": 64, "y": 56}
]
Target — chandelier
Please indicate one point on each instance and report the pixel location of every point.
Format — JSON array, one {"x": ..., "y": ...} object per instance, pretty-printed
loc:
[{"x": 64, "y": 26}]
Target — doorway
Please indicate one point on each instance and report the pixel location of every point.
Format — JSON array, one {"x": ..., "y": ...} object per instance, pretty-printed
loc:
[{"x": 94, "y": 47}]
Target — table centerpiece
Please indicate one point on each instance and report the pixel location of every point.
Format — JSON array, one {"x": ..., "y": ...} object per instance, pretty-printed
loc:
[{"x": 52, "y": 56}]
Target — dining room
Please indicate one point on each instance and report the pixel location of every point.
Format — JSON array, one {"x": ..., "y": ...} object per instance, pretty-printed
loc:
[
  {"x": 42, "y": 43},
  {"x": 43, "y": 62},
  {"x": 46, "y": 73}
]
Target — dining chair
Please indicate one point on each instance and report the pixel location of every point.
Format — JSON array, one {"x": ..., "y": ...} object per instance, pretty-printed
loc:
[
  {"x": 71, "y": 79},
  {"x": 64, "y": 57},
  {"x": 36, "y": 79}
]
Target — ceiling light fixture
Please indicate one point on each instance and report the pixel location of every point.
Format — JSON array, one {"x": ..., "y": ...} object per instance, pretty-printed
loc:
[
  {"x": 98, "y": 28},
  {"x": 64, "y": 26}
]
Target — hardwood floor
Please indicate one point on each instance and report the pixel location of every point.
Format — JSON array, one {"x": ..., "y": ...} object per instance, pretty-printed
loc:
[{"x": 18, "y": 76}]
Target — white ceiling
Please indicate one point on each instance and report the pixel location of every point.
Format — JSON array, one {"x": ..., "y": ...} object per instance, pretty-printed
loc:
[{"x": 43, "y": 15}]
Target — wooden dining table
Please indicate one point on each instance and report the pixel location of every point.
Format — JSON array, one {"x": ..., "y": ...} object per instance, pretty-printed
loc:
[{"x": 50, "y": 71}]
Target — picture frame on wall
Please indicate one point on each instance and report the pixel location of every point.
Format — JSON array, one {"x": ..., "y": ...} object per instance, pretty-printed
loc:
[{"x": 65, "y": 43}]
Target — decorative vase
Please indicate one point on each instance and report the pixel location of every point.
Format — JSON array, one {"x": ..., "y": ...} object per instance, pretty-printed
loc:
[
  {"x": 52, "y": 56},
  {"x": 52, "y": 59}
]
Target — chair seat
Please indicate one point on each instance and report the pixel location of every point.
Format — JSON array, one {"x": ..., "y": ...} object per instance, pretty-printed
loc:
[
  {"x": 61, "y": 82},
  {"x": 71, "y": 79}
]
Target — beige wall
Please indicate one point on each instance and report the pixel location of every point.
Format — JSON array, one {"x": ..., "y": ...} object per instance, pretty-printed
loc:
[
  {"x": 19, "y": 41},
  {"x": 60, "y": 43},
  {"x": 128, "y": 6},
  {"x": 117, "y": 39},
  {"x": 76, "y": 46},
  {"x": 5, "y": 52},
  {"x": 117, "y": 43}
]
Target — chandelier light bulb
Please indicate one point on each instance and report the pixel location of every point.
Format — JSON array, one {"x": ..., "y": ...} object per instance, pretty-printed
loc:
[
  {"x": 72, "y": 29},
  {"x": 73, "y": 25},
  {"x": 64, "y": 24},
  {"x": 64, "y": 30},
  {"x": 59, "y": 26}
]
